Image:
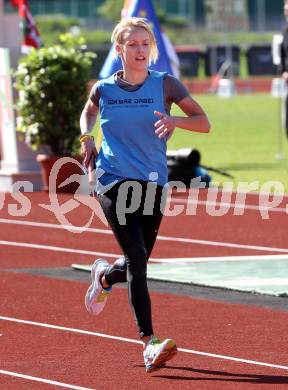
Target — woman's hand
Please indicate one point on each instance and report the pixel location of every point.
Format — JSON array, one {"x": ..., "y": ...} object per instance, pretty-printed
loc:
[
  {"x": 165, "y": 125},
  {"x": 89, "y": 151}
]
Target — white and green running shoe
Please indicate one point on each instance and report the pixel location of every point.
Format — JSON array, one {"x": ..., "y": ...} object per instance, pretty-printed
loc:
[
  {"x": 96, "y": 295},
  {"x": 157, "y": 353}
]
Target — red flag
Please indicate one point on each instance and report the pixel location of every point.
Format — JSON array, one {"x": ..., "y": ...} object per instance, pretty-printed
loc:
[
  {"x": 31, "y": 36},
  {"x": 15, "y": 3}
]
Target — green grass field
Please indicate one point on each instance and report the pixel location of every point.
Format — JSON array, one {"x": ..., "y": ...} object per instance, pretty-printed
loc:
[{"x": 243, "y": 141}]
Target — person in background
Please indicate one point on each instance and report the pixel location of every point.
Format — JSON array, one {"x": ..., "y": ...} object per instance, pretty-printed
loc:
[{"x": 134, "y": 106}]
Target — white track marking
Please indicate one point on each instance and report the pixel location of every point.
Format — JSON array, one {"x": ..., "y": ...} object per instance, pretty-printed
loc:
[
  {"x": 248, "y": 361},
  {"x": 54, "y": 226},
  {"x": 182, "y": 260},
  {"x": 128, "y": 340},
  {"x": 224, "y": 244},
  {"x": 228, "y": 205},
  {"x": 115, "y": 256},
  {"x": 237, "y": 192},
  {"x": 161, "y": 238},
  {"x": 42, "y": 380},
  {"x": 58, "y": 249}
]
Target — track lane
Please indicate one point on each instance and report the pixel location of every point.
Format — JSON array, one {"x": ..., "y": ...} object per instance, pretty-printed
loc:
[
  {"x": 227, "y": 228},
  {"x": 92, "y": 241},
  {"x": 235, "y": 330}
]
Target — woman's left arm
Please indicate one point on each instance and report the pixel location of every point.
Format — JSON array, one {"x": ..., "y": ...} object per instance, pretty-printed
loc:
[{"x": 196, "y": 119}]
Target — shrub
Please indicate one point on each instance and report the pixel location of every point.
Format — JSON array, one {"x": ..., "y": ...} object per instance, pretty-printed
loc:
[{"x": 52, "y": 92}]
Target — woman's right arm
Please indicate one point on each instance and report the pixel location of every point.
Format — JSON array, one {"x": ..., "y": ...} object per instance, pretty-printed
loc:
[
  {"x": 88, "y": 117},
  {"x": 87, "y": 121}
]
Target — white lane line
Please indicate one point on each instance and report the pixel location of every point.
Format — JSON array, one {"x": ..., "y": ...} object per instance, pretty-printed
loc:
[
  {"x": 42, "y": 380},
  {"x": 116, "y": 256},
  {"x": 58, "y": 249},
  {"x": 161, "y": 238},
  {"x": 228, "y": 205},
  {"x": 54, "y": 226},
  {"x": 224, "y": 244},
  {"x": 128, "y": 340},
  {"x": 223, "y": 357},
  {"x": 182, "y": 260},
  {"x": 73, "y": 330},
  {"x": 189, "y": 241},
  {"x": 237, "y": 192}
]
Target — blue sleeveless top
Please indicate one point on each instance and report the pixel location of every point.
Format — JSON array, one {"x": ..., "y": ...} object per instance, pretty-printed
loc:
[{"x": 130, "y": 148}]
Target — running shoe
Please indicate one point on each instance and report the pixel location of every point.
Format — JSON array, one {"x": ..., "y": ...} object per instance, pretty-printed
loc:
[
  {"x": 157, "y": 353},
  {"x": 96, "y": 295}
]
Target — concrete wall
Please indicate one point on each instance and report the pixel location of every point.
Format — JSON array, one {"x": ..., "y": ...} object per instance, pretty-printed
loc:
[{"x": 10, "y": 35}]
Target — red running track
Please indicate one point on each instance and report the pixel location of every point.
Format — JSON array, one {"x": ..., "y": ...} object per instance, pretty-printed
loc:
[{"x": 90, "y": 361}]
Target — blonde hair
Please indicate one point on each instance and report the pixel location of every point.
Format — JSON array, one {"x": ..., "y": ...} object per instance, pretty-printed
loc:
[{"x": 126, "y": 24}]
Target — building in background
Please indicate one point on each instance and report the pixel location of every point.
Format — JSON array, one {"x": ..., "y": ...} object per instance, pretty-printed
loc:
[
  {"x": 259, "y": 15},
  {"x": 77, "y": 8},
  {"x": 9, "y": 32},
  {"x": 226, "y": 16},
  {"x": 265, "y": 15}
]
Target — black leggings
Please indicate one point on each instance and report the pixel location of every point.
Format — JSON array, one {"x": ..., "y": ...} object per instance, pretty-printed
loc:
[{"x": 136, "y": 238}]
